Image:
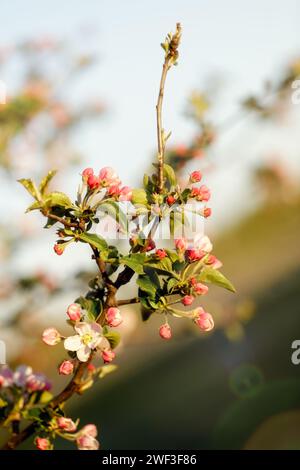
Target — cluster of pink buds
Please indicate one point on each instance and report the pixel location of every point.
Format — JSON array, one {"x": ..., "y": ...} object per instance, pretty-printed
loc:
[
  {"x": 23, "y": 377},
  {"x": 66, "y": 428},
  {"x": 198, "y": 250},
  {"x": 108, "y": 179},
  {"x": 202, "y": 193},
  {"x": 86, "y": 438}
]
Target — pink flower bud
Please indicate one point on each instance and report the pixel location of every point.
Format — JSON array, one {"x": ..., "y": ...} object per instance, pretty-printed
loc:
[
  {"x": 214, "y": 262},
  {"x": 59, "y": 248},
  {"x": 42, "y": 443},
  {"x": 74, "y": 312},
  {"x": 91, "y": 368},
  {"x": 51, "y": 336},
  {"x": 87, "y": 443},
  {"x": 66, "y": 368},
  {"x": 207, "y": 212},
  {"x": 125, "y": 194},
  {"x": 93, "y": 182},
  {"x": 108, "y": 355},
  {"x": 37, "y": 383},
  {"x": 204, "y": 194},
  {"x": 199, "y": 288},
  {"x": 170, "y": 200},
  {"x": 194, "y": 255},
  {"x": 161, "y": 254},
  {"x": 114, "y": 317},
  {"x": 195, "y": 177},
  {"x": 86, "y": 173},
  {"x": 114, "y": 190},
  {"x": 204, "y": 320},
  {"x": 89, "y": 430},
  {"x": 188, "y": 300},
  {"x": 181, "y": 244},
  {"x": 67, "y": 424},
  {"x": 165, "y": 331},
  {"x": 150, "y": 245},
  {"x": 108, "y": 176},
  {"x": 195, "y": 192}
]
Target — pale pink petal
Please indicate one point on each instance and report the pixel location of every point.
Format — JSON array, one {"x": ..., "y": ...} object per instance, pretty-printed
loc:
[
  {"x": 82, "y": 328},
  {"x": 96, "y": 327},
  {"x": 95, "y": 342},
  {"x": 83, "y": 353},
  {"x": 72, "y": 343},
  {"x": 103, "y": 343}
]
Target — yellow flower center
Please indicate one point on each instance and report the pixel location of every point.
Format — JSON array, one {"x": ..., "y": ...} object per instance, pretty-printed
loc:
[{"x": 86, "y": 339}]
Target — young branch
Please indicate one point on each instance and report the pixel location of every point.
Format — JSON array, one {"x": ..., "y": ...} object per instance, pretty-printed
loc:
[
  {"x": 75, "y": 384},
  {"x": 171, "y": 54},
  {"x": 61, "y": 220}
]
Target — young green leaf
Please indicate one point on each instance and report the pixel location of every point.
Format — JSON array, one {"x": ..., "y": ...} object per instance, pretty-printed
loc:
[
  {"x": 113, "y": 338},
  {"x": 30, "y": 186},
  {"x": 139, "y": 197},
  {"x": 134, "y": 261},
  {"x": 215, "y": 277},
  {"x": 93, "y": 240},
  {"x": 58, "y": 199},
  {"x": 46, "y": 180},
  {"x": 149, "y": 285},
  {"x": 192, "y": 269},
  {"x": 107, "y": 369},
  {"x": 170, "y": 175},
  {"x": 35, "y": 206}
]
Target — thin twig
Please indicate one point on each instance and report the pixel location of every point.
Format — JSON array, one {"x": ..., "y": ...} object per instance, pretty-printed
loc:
[
  {"x": 171, "y": 49},
  {"x": 134, "y": 300},
  {"x": 61, "y": 220}
]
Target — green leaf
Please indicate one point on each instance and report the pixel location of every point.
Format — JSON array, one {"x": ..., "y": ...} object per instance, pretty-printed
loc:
[
  {"x": 192, "y": 269},
  {"x": 36, "y": 205},
  {"x": 107, "y": 369},
  {"x": 46, "y": 180},
  {"x": 93, "y": 240},
  {"x": 30, "y": 186},
  {"x": 3, "y": 403},
  {"x": 113, "y": 338},
  {"x": 215, "y": 277},
  {"x": 171, "y": 284},
  {"x": 34, "y": 413},
  {"x": 169, "y": 173},
  {"x": 135, "y": 261},
  {"x": 113, "y": 209},
  {"x": 93, "y": 307},
  {"x": 146, "y": 309},
  {"x": 146, "y": 181},
  {"x": 148, "y": 285},
  {"x": 58, "y": 199},
  {"x": 164, "y": 265},
  {"x": 139, "y": 196},
  {"x": 45, "y": 397}
]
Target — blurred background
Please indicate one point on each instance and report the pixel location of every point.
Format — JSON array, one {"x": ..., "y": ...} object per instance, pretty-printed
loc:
[{"x": 82, "y": 82}]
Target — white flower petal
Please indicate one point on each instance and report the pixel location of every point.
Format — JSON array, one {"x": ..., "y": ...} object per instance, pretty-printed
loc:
[
  {"x": 72, "y": 343},
  {"x": 95, "y": 342},
  {"x": 203, "y": 243},
  {"x": 96, "y": 328},
  {"x": 83, "y": 353},
  {"x": 104, "y": 343},
  {"x": 82, "y": 328}
]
